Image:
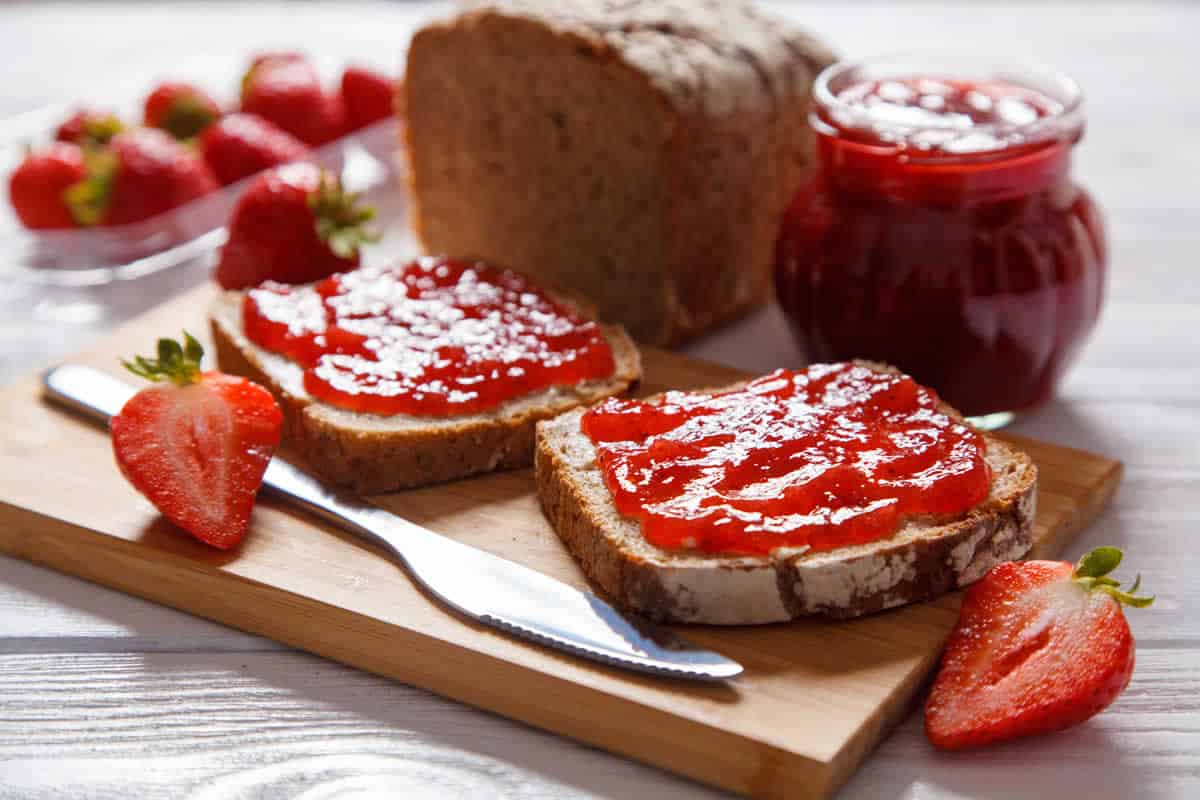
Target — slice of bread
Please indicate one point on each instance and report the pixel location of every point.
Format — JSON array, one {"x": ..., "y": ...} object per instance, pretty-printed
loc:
[
  {"x": 925, "y": 558},
  {"x": 377, "y": 454}
]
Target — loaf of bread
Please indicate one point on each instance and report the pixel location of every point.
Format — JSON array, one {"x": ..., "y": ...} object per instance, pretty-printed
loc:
[{"x": 640, "y": 152}]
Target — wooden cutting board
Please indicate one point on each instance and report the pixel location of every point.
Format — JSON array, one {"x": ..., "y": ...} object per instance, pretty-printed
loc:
[{"x": 816, "y": 697}]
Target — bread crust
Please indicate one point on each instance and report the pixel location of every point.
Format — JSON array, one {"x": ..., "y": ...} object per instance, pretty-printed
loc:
[
  {"x": 363, "y": 452},
  {"x": 923, "y": 561}
]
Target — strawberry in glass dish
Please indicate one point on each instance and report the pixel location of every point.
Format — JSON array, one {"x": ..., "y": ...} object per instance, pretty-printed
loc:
[
  {"x": 196, "y": 444},
  {"x": 239, "y": 145},
  {"x": 180, "y": 109},
  {"x": 286, "y": 89},
  {"x": 141, "y": 174},
  {"x": 89, "y": 128},
  {"x": 293, "y": 224},
  {"x": 37, "y": 187},
  {"x": 1040, "y": 646},
  {"x": 367, "y": 95}
]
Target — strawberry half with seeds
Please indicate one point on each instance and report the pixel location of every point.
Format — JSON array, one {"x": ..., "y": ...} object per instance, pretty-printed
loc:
[
  {"x": 239, "y": 145},
  {"x": 196, "y": 444},
  {"x": 89, "y": 128},
  {"x": 293, "y": 224},
  {"x": 1039, "y": 646},
  {"x": 141, "y": 174},
  {"x": 180, "y": 109},
  {"x": 37, "y": 187}
]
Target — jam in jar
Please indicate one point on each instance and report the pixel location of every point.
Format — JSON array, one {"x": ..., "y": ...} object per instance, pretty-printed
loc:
[{"x": 942, "y": 233}]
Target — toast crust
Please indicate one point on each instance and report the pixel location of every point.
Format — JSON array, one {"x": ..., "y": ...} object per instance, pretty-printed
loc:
[
  {"x": 376, "y": 454},
  {"x": 923, "y": 560}
]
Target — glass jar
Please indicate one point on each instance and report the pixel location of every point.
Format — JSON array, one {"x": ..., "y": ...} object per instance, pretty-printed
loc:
[{"x": 942, "y": 232}]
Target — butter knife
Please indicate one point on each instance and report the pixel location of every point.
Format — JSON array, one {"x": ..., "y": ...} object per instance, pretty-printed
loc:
[{"x": 477, "y": 584}]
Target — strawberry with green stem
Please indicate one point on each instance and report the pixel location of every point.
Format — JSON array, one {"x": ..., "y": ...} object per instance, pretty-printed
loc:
[
  {"x": 37, "y": 187},
  {"x": 1039, "y": 646},
  {"x": 293, "y": 224},
  {"x": 180, "y": 109},
  {"x": 89, "y": 128},
  {"x": 240, "y": 145},
  {"x": 368, "y": 96},
  {"x": 286, "y": 89},
  {"x": 196, "y": 444},
  {"x": 140, "y": 174}
]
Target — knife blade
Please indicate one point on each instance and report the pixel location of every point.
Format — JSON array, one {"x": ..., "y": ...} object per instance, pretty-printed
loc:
[{"x": 491, "y": 590}]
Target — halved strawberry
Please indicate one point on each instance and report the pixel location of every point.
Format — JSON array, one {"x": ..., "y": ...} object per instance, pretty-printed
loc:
[
  {"x": 1039, "y": 646},
  {"x": 197, "y": 444}
]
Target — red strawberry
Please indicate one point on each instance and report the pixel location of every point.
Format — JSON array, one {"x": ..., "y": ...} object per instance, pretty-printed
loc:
[
  {"x": 141, "y": 174},
  {"x": 285, "y": 89},
  {"x": 180, "y": 109},
  {"x": 367, "y": 95},
  {"x": 278, "y": 56},
  {"x": 1038, "y": 647},
  {"x": 294, "y": 224},
  {"x": 37, "y": 187},
  {"x": 198, "y": 444},
  {"x": 89, "y": 128},
  {"x": 240, "y": 145}
]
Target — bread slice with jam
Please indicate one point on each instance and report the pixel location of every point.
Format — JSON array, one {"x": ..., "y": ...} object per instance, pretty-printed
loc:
[
  {"x": 926, "y": 556},
  {"x": 377, "y": 453}
]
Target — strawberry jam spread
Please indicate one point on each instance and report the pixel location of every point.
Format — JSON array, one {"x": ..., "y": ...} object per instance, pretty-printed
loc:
[
  {"x": 832, "y": 456},
  {"x": 433, "y": 338}
]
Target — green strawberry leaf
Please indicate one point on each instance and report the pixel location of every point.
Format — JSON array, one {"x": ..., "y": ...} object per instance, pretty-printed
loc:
[
  {"x": 1099, "y": 562},
  {"x": 177, "y": 363},
  {"x": 1091, "y": 574}
]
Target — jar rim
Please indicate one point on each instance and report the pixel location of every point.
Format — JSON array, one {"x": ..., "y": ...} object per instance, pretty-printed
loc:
[{"x": 1066, "y": 121}]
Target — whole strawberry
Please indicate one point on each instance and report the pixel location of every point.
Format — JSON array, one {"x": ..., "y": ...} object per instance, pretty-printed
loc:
[
  {"x": 141, "y": 174},
  {"x": 1039, "y": 646},
  {"x": 37, "y": 187},
  {"x": 367, "y": 96},
  {"x": 239, "y": 145},
  {"x": 180, "y": 109},
  {"x": 89, "y": 128},
  {"x": 293, "y": 224},
  {"x": 196, "y": 444},
  {"x": 285, "y": 89}
]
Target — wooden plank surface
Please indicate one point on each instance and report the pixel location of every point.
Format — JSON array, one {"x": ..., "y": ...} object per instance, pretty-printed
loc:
[
  {"x": 78, "y": 657},
  {"x": 815, "y": 699}
]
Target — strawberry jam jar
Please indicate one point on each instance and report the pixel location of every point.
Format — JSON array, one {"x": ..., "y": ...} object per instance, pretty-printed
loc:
[{"x": 942, "y": 231}]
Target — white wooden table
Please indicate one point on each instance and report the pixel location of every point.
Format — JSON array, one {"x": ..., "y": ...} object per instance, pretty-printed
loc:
[{"x": 105, "y": 695}]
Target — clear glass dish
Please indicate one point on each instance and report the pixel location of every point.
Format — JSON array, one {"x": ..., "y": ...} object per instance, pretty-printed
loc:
[{"x": 58, "y": 289}]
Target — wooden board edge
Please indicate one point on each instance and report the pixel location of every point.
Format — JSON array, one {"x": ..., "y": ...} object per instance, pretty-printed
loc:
[
  {"x": 736, "y": 763},
  {"x": 1093, "y": 504}
]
